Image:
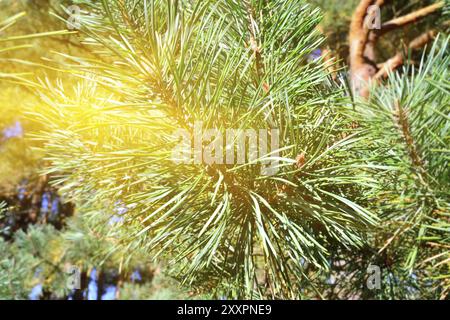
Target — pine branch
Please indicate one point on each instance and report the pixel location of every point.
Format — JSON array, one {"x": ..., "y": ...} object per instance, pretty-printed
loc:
[
  {"x": 413, "y": 17},
  {"x": 359, "y": 32},
  {"x": 398, "y": 60},
  {"x": 221, "y": 223},
  {"x": 401, "y": 119}
]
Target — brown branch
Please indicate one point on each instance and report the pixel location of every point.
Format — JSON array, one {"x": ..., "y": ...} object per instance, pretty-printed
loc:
[
  {"x": 369, "y": 51},
  {"x": 402, "y": 121},
  {"x": 362, "y": 53},
  {"x": 362, "y": 42},
  {"x": 439, "y": 245},
  {"x": 398, "y": 60},
  {"x": 410, "y": 18},
  {"x": 359, "y": 32}
]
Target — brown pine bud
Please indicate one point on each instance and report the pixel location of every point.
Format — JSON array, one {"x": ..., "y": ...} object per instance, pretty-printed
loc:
[{"x": 300, "y": 160}]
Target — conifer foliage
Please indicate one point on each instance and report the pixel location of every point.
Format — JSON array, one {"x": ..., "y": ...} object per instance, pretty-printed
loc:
[
  {"x": 354, "y": 184},
  {"x": 164, "y": 65}
]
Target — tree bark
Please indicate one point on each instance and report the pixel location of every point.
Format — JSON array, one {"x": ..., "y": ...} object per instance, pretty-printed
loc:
[
  {"x": 362, "y": 65},
  {"x": 410, "y": 18},
  {"x": 362, "y": 41}
]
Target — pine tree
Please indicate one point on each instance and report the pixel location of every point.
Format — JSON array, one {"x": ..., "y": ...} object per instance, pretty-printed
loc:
[
  {"x": 162, "y": 66},
  {"x": 38, "y": 240},
  {"x": 356, "y": 183},
  {"x": 408, "y": 120}
]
